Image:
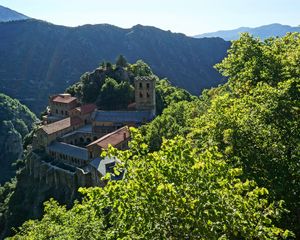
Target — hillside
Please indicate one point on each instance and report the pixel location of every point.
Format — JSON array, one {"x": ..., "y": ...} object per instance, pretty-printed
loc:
[
  {"x": 7, "y": 14},
  {"x": 16, "y": 120},
  {"x": 222, "y": 166},
  {"x": 39, "y": 58},
  {"x": 263, "y": 32}
]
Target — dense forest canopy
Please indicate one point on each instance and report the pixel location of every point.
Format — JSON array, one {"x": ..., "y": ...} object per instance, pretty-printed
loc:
[{"x": 229, "y": 169}]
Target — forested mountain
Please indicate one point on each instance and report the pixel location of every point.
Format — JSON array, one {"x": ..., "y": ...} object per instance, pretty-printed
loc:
[
  {"x": 16, "y": 121},
  {"x": 221, "y": 166},
  {"x": 7, "y": 14},
  {"x": 38, "y": 58},
  {"x": 263, "y": 32}
]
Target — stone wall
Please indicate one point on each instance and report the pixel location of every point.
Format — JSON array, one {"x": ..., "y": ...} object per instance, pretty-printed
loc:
[{"x": 57, "y": 175}]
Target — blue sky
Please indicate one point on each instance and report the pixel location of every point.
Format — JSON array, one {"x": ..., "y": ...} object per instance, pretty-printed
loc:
[{"x": 187, "y": 16}]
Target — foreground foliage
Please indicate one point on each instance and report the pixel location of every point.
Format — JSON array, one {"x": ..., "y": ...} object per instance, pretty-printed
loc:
[{"x": 174, "y": 193}]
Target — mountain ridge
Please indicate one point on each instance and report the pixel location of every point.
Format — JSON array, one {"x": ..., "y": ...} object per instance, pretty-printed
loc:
[
  {"x": 7, "y": 14},
  {"x": 39, "y": 58},
  {"x": 263, "y": 32}
]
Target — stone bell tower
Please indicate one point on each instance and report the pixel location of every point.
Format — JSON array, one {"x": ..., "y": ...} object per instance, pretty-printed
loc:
[{"x": 145, "y": 94}]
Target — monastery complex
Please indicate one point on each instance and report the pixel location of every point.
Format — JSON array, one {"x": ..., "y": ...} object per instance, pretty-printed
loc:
[{"x": 74, "y": 135}]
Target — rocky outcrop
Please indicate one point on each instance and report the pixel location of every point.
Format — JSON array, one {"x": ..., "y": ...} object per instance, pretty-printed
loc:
[
  {"x": 11, "y": 149},
  {"x": 16, "y": 121},
  {"x": 40, "y": 180},
  {"x": 51, "y": 174}
]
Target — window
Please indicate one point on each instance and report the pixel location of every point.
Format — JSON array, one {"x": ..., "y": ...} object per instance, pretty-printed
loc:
[
  {"x": 141, "y": 94},
  {"x": 148, "y": 95},
  {"x": 148, "y": 85},
  {"x": 62, "y": 112},
  {"x": 141, "y": 85},
  {"x": 66, "y": 113},
  {"x": 56, "y": 111}
]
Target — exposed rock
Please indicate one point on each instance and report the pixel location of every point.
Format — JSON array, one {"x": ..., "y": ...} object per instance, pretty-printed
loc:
[
  {"x": 11, "y": 149},
  {"x": 16, "y": 121},
  {"x": 40, "y": 180}
]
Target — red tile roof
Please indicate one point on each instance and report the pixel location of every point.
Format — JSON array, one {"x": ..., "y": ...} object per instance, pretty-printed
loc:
[
  {"x": 61, "y": 125},
  {"x": 87, "y": 108},
  {"x": 113, "y": 138},
  {"x": 64, "y": 98}
]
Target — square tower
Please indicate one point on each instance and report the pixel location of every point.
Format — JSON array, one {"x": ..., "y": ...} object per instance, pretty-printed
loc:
[{"x": 145, "y": 93}]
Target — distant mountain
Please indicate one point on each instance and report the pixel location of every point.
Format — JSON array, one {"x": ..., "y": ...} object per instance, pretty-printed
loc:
[
  {"x": 7, "y": 14},
  {"x": 38, "y": 58},
  {"x": 263, "y": 32}
]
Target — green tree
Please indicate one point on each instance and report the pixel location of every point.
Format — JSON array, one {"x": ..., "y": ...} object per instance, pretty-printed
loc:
[
  {"x": 250, "y": 61},
  {"x": 177, "y": 192},
  {"x": 114, "y": 95},
  {"x": 140, "y": 68},
  {"x": 121, "y": 61}
]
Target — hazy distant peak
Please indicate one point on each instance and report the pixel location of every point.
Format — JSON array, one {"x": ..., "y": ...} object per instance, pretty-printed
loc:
[
  {"x": 7, "y": 15},
  {"x": 263, "y": 32}
]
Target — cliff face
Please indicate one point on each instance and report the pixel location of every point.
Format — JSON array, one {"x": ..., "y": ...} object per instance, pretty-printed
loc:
[
  {"x": 16, "y": 121},
  {"x": 11, "y": 146},
  {"x": 40, "y": 180}
]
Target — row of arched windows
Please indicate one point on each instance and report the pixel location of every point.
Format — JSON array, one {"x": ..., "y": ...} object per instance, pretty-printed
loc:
[{"x": 66, "y": 158}]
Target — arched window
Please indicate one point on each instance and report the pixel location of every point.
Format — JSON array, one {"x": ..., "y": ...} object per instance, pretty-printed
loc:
[
  {"x": 148, "y": 85},
  {"x": 141, "y": 85},
  {"x": 141, "y": 94},
  {"x": 62, "y": 112}
]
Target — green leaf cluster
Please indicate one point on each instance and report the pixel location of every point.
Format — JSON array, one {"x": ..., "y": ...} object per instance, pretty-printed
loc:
[{"x": 177, "y": 192}]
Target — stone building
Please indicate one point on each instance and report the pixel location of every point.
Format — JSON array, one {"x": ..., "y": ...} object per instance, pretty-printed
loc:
[
  {"x": 145, "y": 94},
  {"x": 50, "y": 132},
  {"x": 118, "y": 139},
  {"x": 104, "y": 122},
  {"x": 59, "y": 107},
  {"x": 100, "y": 167},
  {"x": 68, "y": 154},
  {"x": 84, "y": 112},
  {"x": 77, "y": 135}
]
